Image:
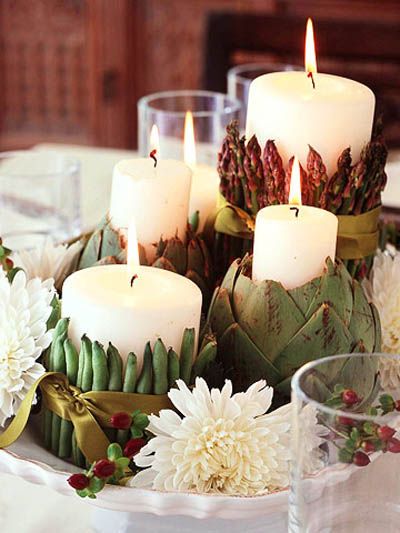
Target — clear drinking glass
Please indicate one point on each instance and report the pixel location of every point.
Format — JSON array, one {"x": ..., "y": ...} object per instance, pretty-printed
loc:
[
  {"x": 345, "y": 447},
  {"x": 39, "y": 198},
  {"x": 211, "y": 111},
  {"x": 240, "y": 77}
]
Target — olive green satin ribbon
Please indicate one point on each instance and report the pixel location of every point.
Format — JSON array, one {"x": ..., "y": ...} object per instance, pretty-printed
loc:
[
  {"x": 86, "y": 410},
  {"x": 358, "y": 235}
]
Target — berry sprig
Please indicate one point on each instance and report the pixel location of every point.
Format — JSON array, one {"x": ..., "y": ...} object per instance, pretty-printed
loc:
[
  {"x": 357, "y": 440},
  {"x": 118, "y": 463}
]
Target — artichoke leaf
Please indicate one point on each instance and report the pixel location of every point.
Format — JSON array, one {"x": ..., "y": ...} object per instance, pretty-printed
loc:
[
  {"x": 267, "y": 314},
  {"x": 315, "y": 385},
  {"x": 359, "y": 374},
  {"x": 164, "y": 264},
  {"x": 91, "y": 252},
  {"x": 201, "y": 283},
  {"x": 303, "y": 296},
  {"x": 238, "y": 352},
  {"x": 324, "y": 334},
  {"x": 195, "y": 257},
  {"x": 362, "y": 323},
  {"x": 336, "y": 289},
  {"x": 230, "y": 277},
  {"x": 175, "y": 253},
  {"x": 111, "y": 242},
  {"x": 221, "y": 317},
  {"x": 378, "y": 330}
]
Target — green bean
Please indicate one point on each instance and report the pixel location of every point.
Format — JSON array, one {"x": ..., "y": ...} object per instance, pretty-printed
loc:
[
  {"x": 160, "y": 368},
  {"x": 66, "y": 441},
  {"x": 145, "y": 380},
  {"x": 87, "y": 374},
  {"x": 205, "y": 357},
  {"x": 58, "y": 365},
  {"x": 115, "y": 369},
  {"x": 187, "y": 352},
  {"x": 130, "y": 373},
  {"x": 173, "y": 367},
  {"x": 100, "y": 368},
  {"x": 81, "y": 363}
]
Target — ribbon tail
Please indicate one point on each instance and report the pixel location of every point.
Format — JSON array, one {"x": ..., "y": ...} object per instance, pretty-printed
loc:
[
  {"x": 18, "y": 424},
  {"x": 90, "y": 437}
]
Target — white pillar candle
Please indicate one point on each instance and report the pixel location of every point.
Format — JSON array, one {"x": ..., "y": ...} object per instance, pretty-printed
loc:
[
  {"x": 205, "y": 179},
  {"x": 101, "y": 304},
  {"x": 293, "y": 249},
  {"x": 336, "y": 114},
  {"x": 157, "y": 197}
]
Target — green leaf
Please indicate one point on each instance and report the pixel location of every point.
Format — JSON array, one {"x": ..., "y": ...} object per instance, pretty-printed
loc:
[
  {"x": 96, "y": 484},
  {"x": 338, "y": 388},
  {"x": 354, "y": 434},
  {"x": 83, "y": 493},
  {"x": 136, "y": 432},
  {"x": 350, "y": 445},
  {"x": 123, "y": 462},
  {"x": 369, "y": 428},
  {"x": 114, "y": 451},
  {"x": 345, "y": 456},
  {"x": 141, "y": 421}
]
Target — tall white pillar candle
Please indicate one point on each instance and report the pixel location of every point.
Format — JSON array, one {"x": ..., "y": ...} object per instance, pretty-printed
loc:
[
  {"x": 336, "y": 114},
  {"x": 157, "y": 197},
  {"x": 102, "y": 304},
  {"x": 292, "y": 242}
]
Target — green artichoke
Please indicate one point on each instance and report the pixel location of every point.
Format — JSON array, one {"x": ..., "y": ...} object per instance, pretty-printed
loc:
[
  {"x": 267, "y": 332},
  {"x": 191, "y": 259}
]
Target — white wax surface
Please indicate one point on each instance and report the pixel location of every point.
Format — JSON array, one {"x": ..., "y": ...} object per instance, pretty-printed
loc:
[
  {"x": 284, "y": 107},
  {"x": 156, "y": 198},
  {"x": 102, "y": 305},
  {"x": 204, "y": 192},
  {"x": 293, "y": 250}
]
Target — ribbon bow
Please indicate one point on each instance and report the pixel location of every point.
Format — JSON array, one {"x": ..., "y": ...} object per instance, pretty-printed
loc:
[{"x": 89, "y": 412}]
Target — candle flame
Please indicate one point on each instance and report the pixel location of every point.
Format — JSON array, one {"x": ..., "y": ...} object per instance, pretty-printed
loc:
[
  {"x": 295, "y": 186},
  {"x": 189, "y": 143},
  {"x": 155, "y": 140},
  {"x": 310, "y": 56},
  {"x": 133, "y": 261}
]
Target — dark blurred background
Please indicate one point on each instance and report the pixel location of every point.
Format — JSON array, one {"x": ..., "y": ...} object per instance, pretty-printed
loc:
[{"x": 72, "y": 70}]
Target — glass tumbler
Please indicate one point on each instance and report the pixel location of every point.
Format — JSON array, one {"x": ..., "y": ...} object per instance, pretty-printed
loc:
[
  {"x": 240, "y": 77},
  {"x": 39, "y": 198},
  {"x": 345, "y": 475},
  {"x": 211, "y": 112}
]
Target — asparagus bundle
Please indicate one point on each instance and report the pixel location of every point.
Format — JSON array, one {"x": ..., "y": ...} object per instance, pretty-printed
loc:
[
  {"x": 98, "y": 370},
  {"x": 252, "y": 179}
]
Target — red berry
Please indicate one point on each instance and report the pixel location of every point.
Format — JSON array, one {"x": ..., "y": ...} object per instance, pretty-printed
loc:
[
  {"x": 346, "y": 421},
  {"x": 393, "y": 445},
  {"x": 104, "y": 468},
  {"x": 349, "y": 397},
  {"x": 9, "y": 263},
  {"x": 397, "y": 405},
  {"x": 367, "y": 446},
  {"x": 121, "y": 420},
  {"x": 385, "y": 432},
  {"x": 361, "y": 459},
  {"x": 133, "y": 446},
  {"x": 78, "y": 481}
]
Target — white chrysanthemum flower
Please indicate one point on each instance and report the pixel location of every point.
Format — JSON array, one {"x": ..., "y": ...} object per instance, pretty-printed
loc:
[
  {"x": 56, "y": 261},
  {"x": 310, "y": 435},
  {"x": 224, "y": 443},
  {"x": 24, "y": 310},
  {"x": 383, "y": 289}
]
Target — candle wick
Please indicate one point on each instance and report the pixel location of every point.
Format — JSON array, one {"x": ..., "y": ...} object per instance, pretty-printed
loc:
[
  {"x": 153, "y": 156},
  {"x": 311, "y": 75},
  {"x": 133, "y": 279},
  {"x": 295, "y": 209}
]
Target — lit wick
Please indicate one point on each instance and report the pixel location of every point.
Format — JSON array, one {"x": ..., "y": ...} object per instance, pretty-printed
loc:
[
  {"x": 153, "y": 156},
  {"x": 133, "y": 279},
  {"x": 311, "y": 75},
  {"x": 294, "y": 208}
]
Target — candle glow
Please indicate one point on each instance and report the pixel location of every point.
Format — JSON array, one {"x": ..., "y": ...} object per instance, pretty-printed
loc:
[
  {"x": 295, "y": 184},
  {"x": 155, "y": 140},
  {"x": 133, "y": 261},
  {"x": 310, "y": 56},
  {"x": 189, "y": 142}
]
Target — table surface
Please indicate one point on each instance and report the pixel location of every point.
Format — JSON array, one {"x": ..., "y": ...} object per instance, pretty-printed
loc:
[{"x": 41, "y": 507}]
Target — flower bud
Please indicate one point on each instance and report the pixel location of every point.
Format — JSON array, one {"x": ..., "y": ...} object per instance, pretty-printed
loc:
[
  {"x": 121, "y": 420},
  {"x": 133, "y": 446},
  {"x": 349, "y": 397},
  {"x": 385, "y": 432},
  {"x": 78, "y": 481},
  {"x": 361, "y": 459},
  {"x": 393, "y": 445},
  {"x": 104, "y": 468}
]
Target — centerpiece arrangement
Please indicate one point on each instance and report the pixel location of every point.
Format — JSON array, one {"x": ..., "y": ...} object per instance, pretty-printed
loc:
[{"x": 143, "y": 379}]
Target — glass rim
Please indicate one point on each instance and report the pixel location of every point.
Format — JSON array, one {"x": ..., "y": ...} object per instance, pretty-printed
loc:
[
  {"x": 73, "y": 164},
  {"x": 234, "y": 103},
  {"x": 238, "y": 69},
  {"x": 301, "y": 394}
]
